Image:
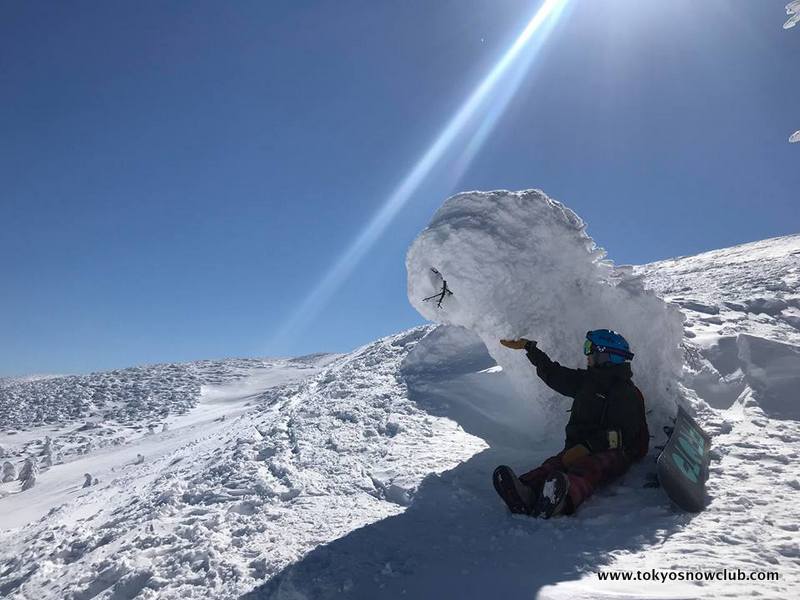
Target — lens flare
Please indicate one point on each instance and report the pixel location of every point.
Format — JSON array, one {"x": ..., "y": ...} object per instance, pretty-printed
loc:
[{"x": 480, "y": 112}]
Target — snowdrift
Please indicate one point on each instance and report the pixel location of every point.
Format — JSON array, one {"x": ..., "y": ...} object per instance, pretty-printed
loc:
[
  {"x": 742, "y": 327},
  {"x": 520, "y": 264}
]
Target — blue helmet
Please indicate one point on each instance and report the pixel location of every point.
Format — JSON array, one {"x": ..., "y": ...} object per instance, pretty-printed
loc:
[{"x": 609, "y": 342}]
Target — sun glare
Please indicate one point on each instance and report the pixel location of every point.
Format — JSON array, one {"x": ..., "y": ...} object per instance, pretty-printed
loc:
[{"x": 474, "y": 119}]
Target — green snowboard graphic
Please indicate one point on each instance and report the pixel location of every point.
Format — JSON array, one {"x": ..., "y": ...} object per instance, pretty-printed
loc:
[{"x": 683, "y": 464}]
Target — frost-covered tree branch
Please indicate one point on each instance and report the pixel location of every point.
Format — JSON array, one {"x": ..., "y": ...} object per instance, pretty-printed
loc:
[{"x": 793, "y": 10}]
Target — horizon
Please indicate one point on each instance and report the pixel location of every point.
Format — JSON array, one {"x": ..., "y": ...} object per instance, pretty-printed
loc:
[
  {"x": 180, "y": 183},
  {"x": 329, "y": 353}
]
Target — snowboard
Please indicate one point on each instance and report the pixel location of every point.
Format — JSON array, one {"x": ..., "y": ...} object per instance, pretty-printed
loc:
[{"x": 683, "y": 463}]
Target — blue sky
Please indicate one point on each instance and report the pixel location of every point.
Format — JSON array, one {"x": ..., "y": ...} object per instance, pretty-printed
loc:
[{"x": 176, "y": 177}]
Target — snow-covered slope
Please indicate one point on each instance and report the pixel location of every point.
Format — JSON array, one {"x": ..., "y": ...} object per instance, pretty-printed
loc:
[
  {"x": 742, "y": 308},
  {"x": 456, "y": 539},
  {"x": 367, "y": 475},
  {"x": 114, "y": 433},
  {"x": 126, "y": 395},
  {"x": 262, "y": 470}
]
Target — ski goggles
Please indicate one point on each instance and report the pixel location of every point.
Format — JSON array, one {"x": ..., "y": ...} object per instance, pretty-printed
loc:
[{"x": 589, "y": 347}]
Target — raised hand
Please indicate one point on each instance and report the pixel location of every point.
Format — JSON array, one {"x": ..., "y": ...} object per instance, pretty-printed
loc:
[{"x": 515, "y": 344}]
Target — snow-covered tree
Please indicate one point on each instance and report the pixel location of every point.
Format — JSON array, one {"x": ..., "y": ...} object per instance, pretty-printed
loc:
[
  {"x": 27, "y": 466},
  {"x": 165, "y": 427},
  {"x": 29, "y": 482},
  {"x": 28, "y": 473},
  {"x": 139, "y": 459},
  {"x": 9, "y": 472},
  {"x": 50, "y": 453},
  {"x": 793, "y": 10},
  {"x": 88, "y": 481}
]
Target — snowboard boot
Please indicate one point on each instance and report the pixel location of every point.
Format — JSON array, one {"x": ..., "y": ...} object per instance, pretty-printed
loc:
[
  {"x": 553, "y": 498},
  {"x": 518, "y": 497}
]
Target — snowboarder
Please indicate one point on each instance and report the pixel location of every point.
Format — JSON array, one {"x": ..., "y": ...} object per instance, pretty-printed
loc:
[{"x": 606, "y": 433}]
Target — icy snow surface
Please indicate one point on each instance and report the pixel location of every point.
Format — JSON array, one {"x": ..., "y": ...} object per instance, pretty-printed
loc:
[{"x": 367, "y": 475}]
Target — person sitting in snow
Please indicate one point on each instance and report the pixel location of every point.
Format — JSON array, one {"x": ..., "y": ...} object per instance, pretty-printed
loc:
[{"x": 606, "y": 433}]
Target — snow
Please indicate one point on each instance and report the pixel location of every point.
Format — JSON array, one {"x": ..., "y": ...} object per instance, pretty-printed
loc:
[
  {"x": 209, "y": 509},
  {"x": 367, "y": 475},
  {"x": 793, "y": 10},
  {"x": 522, "y": 265},
  {"x": 115, "y": 445}
]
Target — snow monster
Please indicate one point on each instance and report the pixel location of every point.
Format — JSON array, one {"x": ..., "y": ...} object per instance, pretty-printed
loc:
[{"x": 607, "y": 429}]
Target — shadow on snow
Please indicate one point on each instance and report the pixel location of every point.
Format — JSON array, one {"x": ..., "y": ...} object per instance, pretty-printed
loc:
[{"x": 458, "y": 540}]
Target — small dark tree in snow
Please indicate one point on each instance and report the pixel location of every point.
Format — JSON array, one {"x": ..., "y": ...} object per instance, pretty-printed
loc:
[
  {"x": 441, "y": 294},
  {"x": 88, "y": 481},
  {"x": 9, "y": 472},
  {"x": 28, "y": 473}
]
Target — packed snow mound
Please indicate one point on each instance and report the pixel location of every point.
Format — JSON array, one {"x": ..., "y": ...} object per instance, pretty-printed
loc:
[
  {"x": 520, "y": 264},
  {"x": 742, "y": 327},
  {"x": 445, "y": 353}
]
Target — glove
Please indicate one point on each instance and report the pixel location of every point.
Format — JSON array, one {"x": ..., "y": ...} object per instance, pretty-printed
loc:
[
  {"x": 516, "y": 344},
  {"x": 573, "y": 455}
]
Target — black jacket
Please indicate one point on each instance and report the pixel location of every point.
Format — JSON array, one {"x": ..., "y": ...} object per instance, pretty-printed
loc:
[{"x": 605, "y": 400}]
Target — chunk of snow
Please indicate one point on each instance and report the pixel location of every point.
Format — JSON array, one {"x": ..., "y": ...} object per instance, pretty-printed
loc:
[
  {"x": 773, "y": 371},
  {"x": 522, "y": 265}
]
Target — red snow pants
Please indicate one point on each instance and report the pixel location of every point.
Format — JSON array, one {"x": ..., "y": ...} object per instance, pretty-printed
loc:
[{"x": 585, "y": 475}]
